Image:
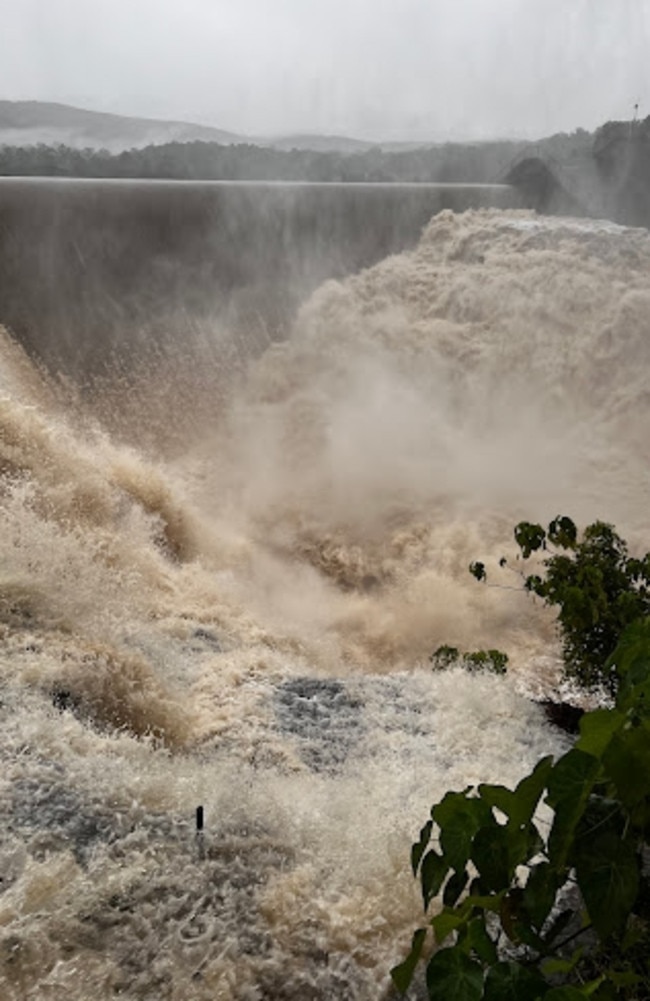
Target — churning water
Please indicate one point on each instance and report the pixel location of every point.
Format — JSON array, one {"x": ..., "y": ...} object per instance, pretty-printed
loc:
[{"x": 221, "y": 587}]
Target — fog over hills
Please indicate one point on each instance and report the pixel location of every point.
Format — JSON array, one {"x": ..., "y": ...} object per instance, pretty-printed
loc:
[{"x": 27, "y": 123}]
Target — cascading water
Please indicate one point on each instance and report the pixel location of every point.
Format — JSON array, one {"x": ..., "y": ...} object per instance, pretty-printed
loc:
[{"x": 236, "y": 610}]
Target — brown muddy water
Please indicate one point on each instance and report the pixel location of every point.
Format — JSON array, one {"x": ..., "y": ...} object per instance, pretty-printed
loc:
[{"x": 220, "y": 585}]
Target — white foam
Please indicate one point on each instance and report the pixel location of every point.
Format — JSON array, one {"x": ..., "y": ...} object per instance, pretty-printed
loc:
[{"x": 247, "y": 625}]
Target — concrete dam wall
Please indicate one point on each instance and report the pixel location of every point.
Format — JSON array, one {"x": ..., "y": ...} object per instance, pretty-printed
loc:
[{"x": 90, "y": 269}]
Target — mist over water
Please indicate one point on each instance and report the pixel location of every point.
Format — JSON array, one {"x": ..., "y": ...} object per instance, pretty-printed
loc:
[{"x": 233, "y": 604}]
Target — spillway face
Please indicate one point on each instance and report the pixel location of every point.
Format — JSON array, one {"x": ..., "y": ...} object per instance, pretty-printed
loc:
[
  {"x": 233, "y": 606},
  {"x": 91, "y": 269}
]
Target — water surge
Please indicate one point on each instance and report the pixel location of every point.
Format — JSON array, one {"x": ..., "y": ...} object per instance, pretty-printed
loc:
[{"x": 221, "y": 587}]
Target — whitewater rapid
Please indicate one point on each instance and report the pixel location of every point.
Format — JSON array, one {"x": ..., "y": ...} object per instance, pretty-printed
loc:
[{"x": 222, "y": 588}]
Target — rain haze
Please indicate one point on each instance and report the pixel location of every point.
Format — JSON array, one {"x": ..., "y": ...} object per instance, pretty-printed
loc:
[
  {"x": 375, "y": 69},
  {"x": 260, "y": 411}
]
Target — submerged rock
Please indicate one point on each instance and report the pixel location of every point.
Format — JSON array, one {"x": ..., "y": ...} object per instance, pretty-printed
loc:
[{"x": 562, "y": 715}]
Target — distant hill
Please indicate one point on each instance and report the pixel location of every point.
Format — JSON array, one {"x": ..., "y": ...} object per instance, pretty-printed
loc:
[{"x": 26, "y": 123}]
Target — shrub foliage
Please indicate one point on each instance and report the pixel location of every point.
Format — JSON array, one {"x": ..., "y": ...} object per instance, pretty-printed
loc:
[
  {"x": 597, "y": 587},
  {"x": 556, "y": 909},
  {"x": 494, "y": 661}
]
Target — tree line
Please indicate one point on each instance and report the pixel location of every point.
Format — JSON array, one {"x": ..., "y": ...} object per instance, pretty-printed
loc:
[{"x": 479, "y": 162}]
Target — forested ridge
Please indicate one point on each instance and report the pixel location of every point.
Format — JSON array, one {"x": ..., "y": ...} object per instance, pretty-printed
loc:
[{"x": 478, "y": 162}]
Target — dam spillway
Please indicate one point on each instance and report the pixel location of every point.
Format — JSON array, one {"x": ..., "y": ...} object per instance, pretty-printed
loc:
[
  {"x": 91, "y": 268},
  {"x": 238, "y": 613}
]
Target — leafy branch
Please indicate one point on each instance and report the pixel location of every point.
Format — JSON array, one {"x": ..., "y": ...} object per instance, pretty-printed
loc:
[
  {"x": 597, "y": 587},
  {"x": 515, "y": 892}
]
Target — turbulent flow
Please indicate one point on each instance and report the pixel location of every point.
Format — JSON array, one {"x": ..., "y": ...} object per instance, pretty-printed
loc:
[{"x": 224, "y": 591}]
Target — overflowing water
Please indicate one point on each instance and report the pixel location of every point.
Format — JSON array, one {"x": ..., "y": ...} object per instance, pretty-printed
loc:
[{"x": 221, "y": 587}]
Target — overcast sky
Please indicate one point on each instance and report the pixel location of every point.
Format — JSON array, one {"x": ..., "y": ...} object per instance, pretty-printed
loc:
[{"x": 378, "y": 69}]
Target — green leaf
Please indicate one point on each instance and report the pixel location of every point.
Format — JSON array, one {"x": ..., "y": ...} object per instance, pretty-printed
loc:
[
  {"x": 453, "y": 975},
  {"x": 623, "y": 978},
  {"x": 602, "y": 814},
  {"x": 447, "y": 921},
  {"x": 523, "y": 844},
  {"x": 403, "y": 974},
  {"x": 634, "y": 933},
  {"x": 627, "y": 763},
  {"x": 477, "y": 569},
  {"x": 489, "y": 902},
  {"x": 606, "y": 992},
  {"x": 631, "y": 659},
  {"x": 418, "y": 849},
  {"x": 432, "y": 875},
  {"x": 534, "y": 583},
  {"x": 459, "y": 818},
  {"x": 639, "y": 818},
  {"x": 491, "y": 857},
  {"x": 528, "y": 792},
  {"x": 607, "y": 871},
  {"x": 529, "y": 537},
  {"x": 498, "y": 797},
  {"x": 569, "y": 786},
  {"x": 597, "y": 729},
  {"x": 592, "y": 987},
  {"x": 509, "y": 981},
  {"x": 480, "y": 942},
  {"x": 632, "y": 644},
  {"x": 454, "y": 888},
  {"x": 486, "y": 660},
  {"x": 519, "y": 806},
  {"x": 553, "y": 965},
  {"x": 498, "y": 849},
  {"x": 539, "y": 893},
  {"x": 514, "y": 921},
  {"x": 563, "y": 532},
  {"x": 444, "y": 657}
]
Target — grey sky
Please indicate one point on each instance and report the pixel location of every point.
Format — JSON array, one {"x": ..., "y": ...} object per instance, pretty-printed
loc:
[{"x": 380, "y": 69}]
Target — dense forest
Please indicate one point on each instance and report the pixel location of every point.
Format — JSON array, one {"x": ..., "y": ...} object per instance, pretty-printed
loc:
[{"x": 453, "y": 162}]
